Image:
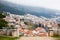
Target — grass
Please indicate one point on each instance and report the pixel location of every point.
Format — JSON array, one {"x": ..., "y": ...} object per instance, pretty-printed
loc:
[
  {"x": 8, "y": 38},
  {"x": 57, "y": 37}
]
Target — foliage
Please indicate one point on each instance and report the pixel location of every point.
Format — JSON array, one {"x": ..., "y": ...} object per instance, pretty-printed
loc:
[
  {"x": 1, "y": 15},
  {"x": 59, "y": 25},
  {"x": 56, "y": 36},
  {"x": 21, "y": 19},
  {"x": 30, "y": 25},
  {"x": 3, "y": 23}
]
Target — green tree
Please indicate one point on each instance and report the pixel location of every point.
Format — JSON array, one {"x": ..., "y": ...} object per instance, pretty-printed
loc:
[
  {"x": 3, "y": 23},
  {"x": 2, "y": 16}
]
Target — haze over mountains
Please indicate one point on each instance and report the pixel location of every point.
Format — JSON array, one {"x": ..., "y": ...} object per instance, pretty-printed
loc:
[{"x": 22, "y": 9}]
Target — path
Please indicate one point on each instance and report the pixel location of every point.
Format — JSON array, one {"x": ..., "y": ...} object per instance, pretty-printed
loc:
[{"x": 36, "y": 38}]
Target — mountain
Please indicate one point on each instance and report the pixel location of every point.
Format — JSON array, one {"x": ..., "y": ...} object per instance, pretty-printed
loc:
[{"x": 22, "y": 9}]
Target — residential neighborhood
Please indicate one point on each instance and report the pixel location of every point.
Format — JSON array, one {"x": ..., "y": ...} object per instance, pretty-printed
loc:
[
  {"x": 29, "y": 19},
  {"x": 30, "y": 25}
]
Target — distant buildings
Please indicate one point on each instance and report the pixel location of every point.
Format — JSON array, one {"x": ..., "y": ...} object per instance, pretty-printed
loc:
[{"x": 15, "y": 20}]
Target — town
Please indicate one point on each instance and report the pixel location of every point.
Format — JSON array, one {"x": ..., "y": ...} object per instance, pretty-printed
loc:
[{"x": 30, "y": 25}]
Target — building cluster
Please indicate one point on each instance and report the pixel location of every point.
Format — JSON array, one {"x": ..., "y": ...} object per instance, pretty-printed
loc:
[{"x": 44, "y": 24}]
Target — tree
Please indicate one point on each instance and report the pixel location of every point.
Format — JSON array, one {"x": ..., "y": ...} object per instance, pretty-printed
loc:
[
  {"x": 30, "y": 25},
  {"x": 2, "y": 16},
  {"x": 59, "y": 25},
  {"x": 3, "y": 23}
]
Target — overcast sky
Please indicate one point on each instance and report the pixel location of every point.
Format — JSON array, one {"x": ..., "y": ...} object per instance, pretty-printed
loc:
[{"x": 52, "y": 4}]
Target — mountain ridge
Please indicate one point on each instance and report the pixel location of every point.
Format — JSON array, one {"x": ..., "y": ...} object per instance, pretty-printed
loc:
[{"x": 22, "y": 9}]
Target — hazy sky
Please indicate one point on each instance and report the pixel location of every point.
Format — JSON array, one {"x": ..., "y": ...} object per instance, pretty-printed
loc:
[{"x": 52, "y": 4}]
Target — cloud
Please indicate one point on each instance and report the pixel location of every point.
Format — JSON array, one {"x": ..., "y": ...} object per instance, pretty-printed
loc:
[{"x": 52, "y": 4}]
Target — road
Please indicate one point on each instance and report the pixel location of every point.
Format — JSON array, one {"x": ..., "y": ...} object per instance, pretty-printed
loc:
[{"x": 36, "y": 38}]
